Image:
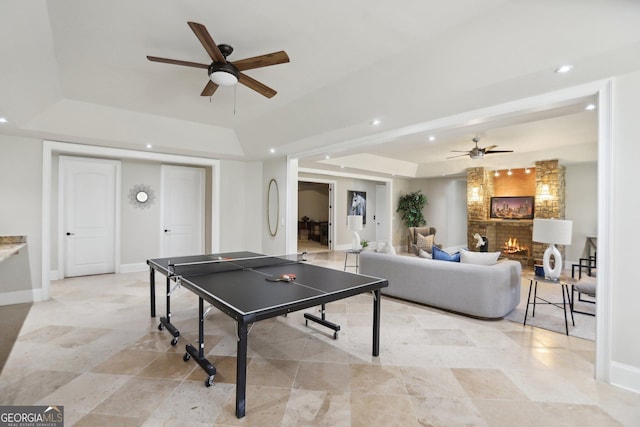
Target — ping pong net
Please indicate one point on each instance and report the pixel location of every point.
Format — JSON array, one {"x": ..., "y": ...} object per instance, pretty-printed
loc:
[{"x": 219, "y": 264}]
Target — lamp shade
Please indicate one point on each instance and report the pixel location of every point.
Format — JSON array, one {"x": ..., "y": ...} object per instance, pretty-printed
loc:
[
  {"x": 557, "y": 231},
  {"x": 354, "y": 222}
]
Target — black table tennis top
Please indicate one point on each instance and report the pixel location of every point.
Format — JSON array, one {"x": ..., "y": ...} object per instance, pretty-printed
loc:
[{"x": 247, "y": 293}]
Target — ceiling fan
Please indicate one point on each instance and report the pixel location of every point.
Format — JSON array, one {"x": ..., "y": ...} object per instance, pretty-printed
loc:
[
  {"x": 477, "y": 153},
  {"x": 227, "y": 73}
]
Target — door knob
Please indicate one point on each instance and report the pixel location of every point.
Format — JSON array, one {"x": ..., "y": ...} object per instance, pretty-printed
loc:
[
  {"x": 166, "y": 230},
  {"x": 70, "y": 234}
]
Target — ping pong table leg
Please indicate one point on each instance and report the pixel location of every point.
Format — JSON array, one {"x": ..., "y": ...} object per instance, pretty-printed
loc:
[
  {"x": 376, "y": 322},
  {"x": 152, "y": 286},
  {"x": 241, "y": 370},
  {"x": 198, "y": 354},
  {"x": 166, "y": 321},
  {"x": 322, "y": 321}
]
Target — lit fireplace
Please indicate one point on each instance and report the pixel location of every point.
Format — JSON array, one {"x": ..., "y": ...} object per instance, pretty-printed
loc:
[{"x": 513, "y": 247}]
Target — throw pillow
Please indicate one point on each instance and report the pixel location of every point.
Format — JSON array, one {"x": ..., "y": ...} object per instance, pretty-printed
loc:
[
  {"x": 478, "y": 258},
  {"x": 424, "y": 254},
  {"x": 424, "y": 242},
  {"x": 441, "y": 255}
]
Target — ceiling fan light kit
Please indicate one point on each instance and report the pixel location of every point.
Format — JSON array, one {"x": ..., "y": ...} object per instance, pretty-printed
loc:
[{"x": 223, "y": 72}]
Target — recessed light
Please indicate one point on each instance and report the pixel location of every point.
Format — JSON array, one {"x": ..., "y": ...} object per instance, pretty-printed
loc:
[
  {"x": 272, "y": 150},
  {"x": 432, "y": 138},
  {"x": 375, "y": 122},
  {"x": 149, "y": 146},
  {"x": 590, "y": 107},
  {"x": 327, "y": 157},
  {"x": 564, "y": 69},
  {"x": 3, "y": 120}
]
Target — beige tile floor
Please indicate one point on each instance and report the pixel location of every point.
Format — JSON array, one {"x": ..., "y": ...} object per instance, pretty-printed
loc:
[{"x": 94, "y": 349}]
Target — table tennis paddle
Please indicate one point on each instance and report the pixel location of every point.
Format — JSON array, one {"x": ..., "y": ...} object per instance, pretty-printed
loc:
[{"x": 282, "y": 278}]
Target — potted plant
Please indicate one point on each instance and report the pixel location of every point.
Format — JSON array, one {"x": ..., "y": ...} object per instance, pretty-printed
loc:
[{"x": 411, "y": 205}]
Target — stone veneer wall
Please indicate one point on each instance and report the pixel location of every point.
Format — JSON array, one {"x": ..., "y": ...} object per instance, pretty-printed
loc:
[
  {"x": 550, "y": 197},
  {"x": 549, "y": 203}
]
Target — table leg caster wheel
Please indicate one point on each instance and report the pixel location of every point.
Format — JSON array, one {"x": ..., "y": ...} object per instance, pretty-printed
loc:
[
  {"x": 160, "y": 327},
  {"x": 174, "y": 341},
  {"x": 186, "y": 357},
  {"x": 209, "y": 381}
]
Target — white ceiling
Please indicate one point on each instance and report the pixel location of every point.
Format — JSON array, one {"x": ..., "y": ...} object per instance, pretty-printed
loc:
[{"x": 76, "y": 70}]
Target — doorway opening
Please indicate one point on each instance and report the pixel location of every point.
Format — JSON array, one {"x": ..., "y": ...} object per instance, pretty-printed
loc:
[{"x": 314, "y": 216}]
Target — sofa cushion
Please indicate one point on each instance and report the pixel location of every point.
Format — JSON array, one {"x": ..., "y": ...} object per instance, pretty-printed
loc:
[
  {"x": 441, "y": 255},
  {"x": 424, "y": 242},
  {"x": 478, "y": 258}
]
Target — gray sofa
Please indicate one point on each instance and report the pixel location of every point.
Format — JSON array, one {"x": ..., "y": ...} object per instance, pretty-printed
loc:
[{"x": 475, "y": 290}]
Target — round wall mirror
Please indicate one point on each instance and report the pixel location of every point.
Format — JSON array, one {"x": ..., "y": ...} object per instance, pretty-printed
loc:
[
  {"x": 273, "y": 207},
  {"x": 142, "y": 196}
]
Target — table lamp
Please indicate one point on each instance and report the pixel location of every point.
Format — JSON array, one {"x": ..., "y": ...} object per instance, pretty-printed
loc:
[
  {"x": 354, "y": 224},
  {"x": 554, "y": 232}
]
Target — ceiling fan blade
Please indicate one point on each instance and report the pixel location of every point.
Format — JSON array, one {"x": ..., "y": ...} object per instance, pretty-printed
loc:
[
  {"x": 460, "y": 155},
  {"x": 498, "y": 151},
  {"x": 489, "y": 148},
  {"x": 257, "y": 86},
  {"x": 207, "y": 42},
  {"x": 177, "y": 62},
  {"x": 460, "y": 151},
  {"x": 262, "y": 61},
  {"x": 209, "y": 89}
]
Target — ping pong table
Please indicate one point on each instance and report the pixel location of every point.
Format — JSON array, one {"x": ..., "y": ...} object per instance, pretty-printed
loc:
[{"x": 249, "y": 287}]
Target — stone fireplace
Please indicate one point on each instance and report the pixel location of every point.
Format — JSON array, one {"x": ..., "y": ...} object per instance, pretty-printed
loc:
[{"x": 512, "y": 237}]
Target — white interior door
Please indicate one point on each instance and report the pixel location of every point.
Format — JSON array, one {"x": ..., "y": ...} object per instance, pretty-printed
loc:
[
  {"x": 88, "y": 206},
  {"x": 381, "y": 212},
  {"x": 182, "y": 210}
]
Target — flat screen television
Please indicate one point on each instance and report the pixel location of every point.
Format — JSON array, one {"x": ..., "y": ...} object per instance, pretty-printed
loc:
[{"x": 520, "y": 207}]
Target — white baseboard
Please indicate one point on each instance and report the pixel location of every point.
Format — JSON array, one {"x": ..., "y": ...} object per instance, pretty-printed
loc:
[
  {"x": 134, "y": 267},
  {"x": 625, "y": 376},
  {"x": 21, "y": 297},
  {"x": 53, "y": 275}
]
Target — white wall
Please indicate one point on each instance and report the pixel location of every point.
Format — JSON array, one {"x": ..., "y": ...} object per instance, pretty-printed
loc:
[
  {"x": 141, "y": 228},
  {"x": 21, "y": 213},
  {"x": 581, "y": 182},
  {"x": 625, "y": 208},
  {"x": 276, "y": 245},
  {"x": 398, "y": 228},
  {"x": 242, "y": 206},
  {"x": 446, "y": 208}
]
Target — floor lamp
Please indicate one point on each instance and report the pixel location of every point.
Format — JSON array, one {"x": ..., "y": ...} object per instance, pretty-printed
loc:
[
  {"x": 354, "y": 224},
  {"x": 554, "y": 232}
]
